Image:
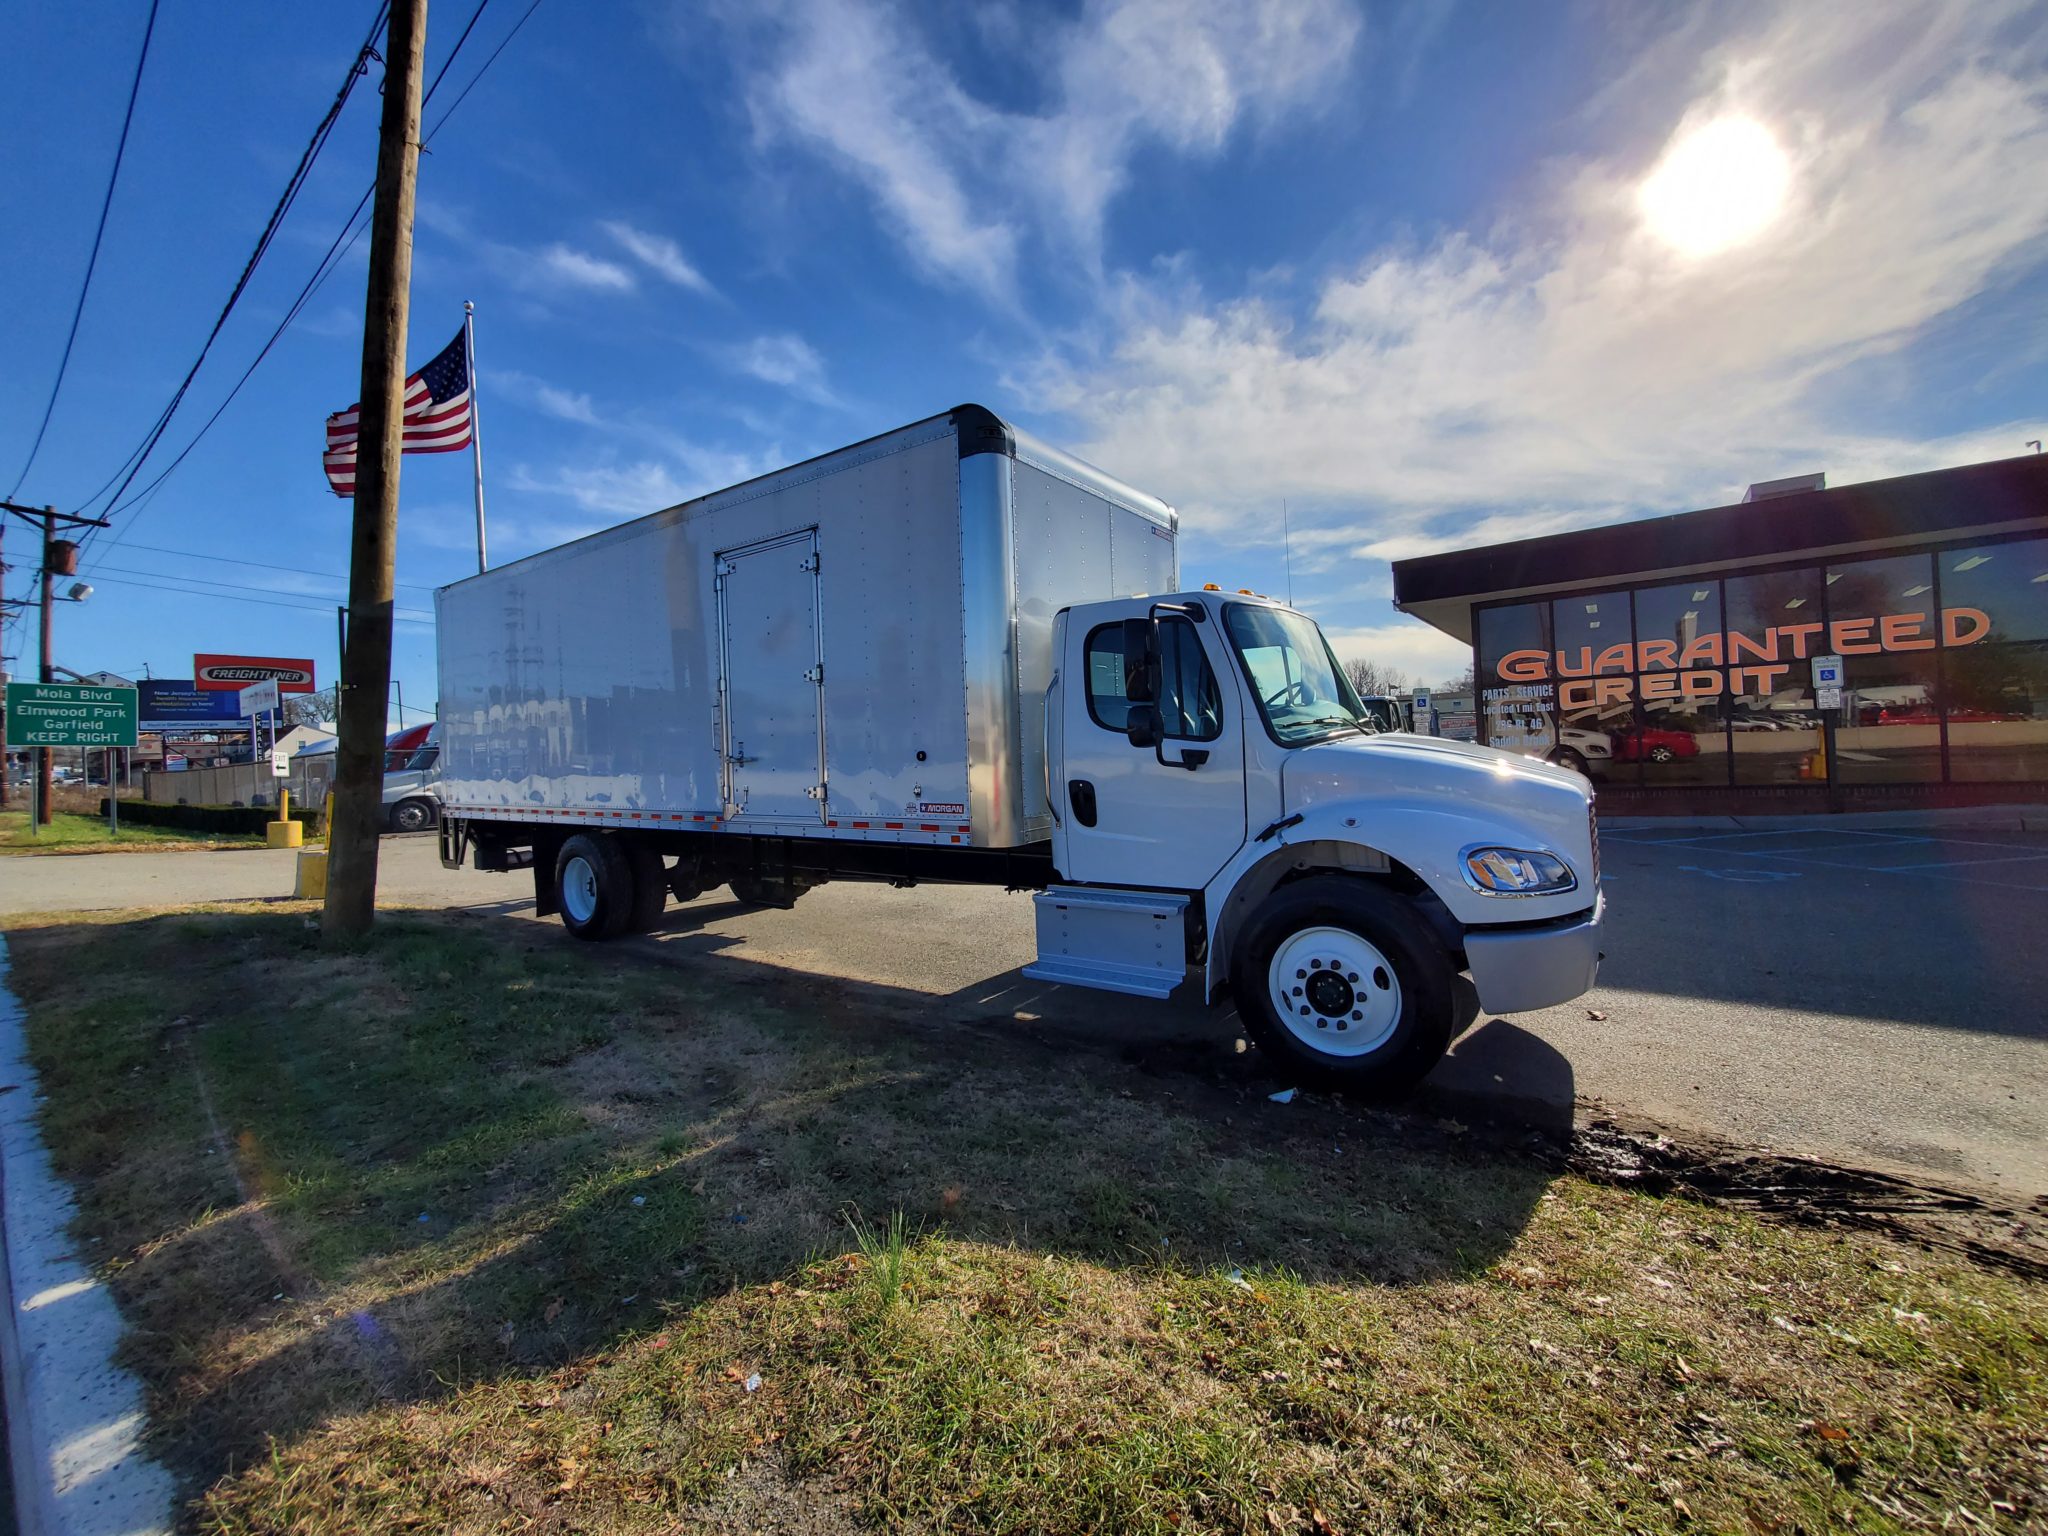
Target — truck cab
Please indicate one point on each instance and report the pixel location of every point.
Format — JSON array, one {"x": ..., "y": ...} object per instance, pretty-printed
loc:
[{"x": 1226, "y": 808}]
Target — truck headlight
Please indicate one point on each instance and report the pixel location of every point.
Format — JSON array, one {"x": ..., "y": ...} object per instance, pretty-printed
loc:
[{"x": 1516, "y": 872}]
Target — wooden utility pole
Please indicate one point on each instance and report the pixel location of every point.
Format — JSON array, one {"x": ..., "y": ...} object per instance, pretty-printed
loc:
[
  {"x": 366, "y": 667},
  {"x": 43, "y": 674}
]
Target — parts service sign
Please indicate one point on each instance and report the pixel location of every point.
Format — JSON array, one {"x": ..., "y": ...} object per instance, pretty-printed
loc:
[{"x": 223, "y": 674}]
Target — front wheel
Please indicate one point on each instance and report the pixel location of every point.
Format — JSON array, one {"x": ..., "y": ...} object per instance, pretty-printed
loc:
[
  {"x": 1343, "y": 984},
  {"x": 411, "y": 816},
  {"x": 1567, "y": 757}
]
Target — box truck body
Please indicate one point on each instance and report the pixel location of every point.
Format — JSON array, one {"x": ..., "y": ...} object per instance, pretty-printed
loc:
[
  {"x": 955, "y": 653},
  {"x": 856, "y": 647}
]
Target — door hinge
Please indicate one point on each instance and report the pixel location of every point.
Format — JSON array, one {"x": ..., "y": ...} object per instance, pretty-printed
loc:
[
  {"x": 815, "y": 792},
  {"x": 815, "y": 674},
  {"x": 726, "y": 567},
  {"x": 810, "y": 562}
]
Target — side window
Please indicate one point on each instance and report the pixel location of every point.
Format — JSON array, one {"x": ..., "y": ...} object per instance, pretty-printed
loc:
[{"x": 1189, "y": 703}]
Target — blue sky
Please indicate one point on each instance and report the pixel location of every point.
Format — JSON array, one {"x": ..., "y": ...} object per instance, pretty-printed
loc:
[{"x": 1389, "y": 263}]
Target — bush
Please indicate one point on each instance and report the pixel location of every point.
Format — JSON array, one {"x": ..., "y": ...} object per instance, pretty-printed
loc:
[{"x": 227, "y": 819}]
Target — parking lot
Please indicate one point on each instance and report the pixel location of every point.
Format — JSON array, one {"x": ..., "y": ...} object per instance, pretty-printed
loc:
[{"x": 1869, "y": 996}]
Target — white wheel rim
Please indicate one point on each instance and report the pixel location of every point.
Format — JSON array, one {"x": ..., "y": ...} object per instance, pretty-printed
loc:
[
  {"x": 579, "y": 889},
  {"x": 1336, "y": 992}
]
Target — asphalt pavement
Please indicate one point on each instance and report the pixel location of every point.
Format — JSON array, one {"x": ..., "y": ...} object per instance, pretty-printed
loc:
[{"x": 1872, "y": 996}]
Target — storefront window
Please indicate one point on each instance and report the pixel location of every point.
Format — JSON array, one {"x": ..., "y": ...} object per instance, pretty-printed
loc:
[
  {"x": 1670, "y": 621},
  {"x": 1517, "y": 699},
  {"x": 1884, "y": 622},
  {"x": 1681, "y": 741},
  {"x": 1592, "y": 635},
  {"x": 2008, "y": 583},
  {"x": 1997, "y": 707}
]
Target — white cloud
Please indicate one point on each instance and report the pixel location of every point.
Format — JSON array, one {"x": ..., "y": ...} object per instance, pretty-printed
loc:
[
  {"x": 640, "y": 486},
  {"x": 1565, "y": 367},
  {"x": 1423, "y": 655},
  {"x": 563, "y": 266},
  {"x": 963, "y": 182},
  {"x": 786, "y": 361},
  {"x": 661, "y": 254}
]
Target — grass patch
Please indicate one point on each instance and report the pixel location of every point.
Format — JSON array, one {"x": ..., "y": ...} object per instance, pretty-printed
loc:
[
  {"x": 71, "y": 832},
  {"x": 485, "y": 1229}
]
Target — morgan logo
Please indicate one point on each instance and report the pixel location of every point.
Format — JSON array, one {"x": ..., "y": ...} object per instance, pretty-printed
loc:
[
  {"x": 940, "y": 808},
  {"x": 221, "y": 674}
]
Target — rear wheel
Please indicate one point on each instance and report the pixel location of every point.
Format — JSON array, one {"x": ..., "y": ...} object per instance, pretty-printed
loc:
[
  {"x": 1342, "y": 984},
  {"x": 1566, "y": 757},
  {"x": 593, "y": 886},
  {"x": 650, "y": 888}
]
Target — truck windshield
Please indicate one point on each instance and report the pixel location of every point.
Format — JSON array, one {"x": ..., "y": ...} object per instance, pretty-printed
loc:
[{"x": 1302, "y": 692}]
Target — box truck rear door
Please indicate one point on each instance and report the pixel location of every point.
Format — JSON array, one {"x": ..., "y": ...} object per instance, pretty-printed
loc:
[{"x": 774, "y": 679}]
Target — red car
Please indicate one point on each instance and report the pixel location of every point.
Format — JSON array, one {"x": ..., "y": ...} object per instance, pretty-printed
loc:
[{"x": 1652, "y": 744}]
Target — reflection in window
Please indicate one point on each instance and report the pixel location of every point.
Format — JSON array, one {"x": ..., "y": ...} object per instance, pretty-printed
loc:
[
  {"x": 2006, "y": 582},
  {"x": 1888, "y": 730},
  {"x": 1680, "y": 741},
  {"x": 1997, "y": 706},
  {"x": 1669, "y": 619},
  {"x": 1593, "y": 634},
  {"x": 1504, "y": 631},
  {"x": 1190, "y": 707}
]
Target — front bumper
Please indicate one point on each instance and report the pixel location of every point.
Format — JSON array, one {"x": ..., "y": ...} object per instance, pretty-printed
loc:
[{"x": 1517, "y": 970}]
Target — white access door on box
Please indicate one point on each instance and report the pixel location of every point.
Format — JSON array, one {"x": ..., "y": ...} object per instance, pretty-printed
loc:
[{"x": 773, "y": 682}]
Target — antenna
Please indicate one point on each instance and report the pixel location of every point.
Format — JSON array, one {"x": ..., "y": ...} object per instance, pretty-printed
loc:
[{"x": 1287, "y": 550}]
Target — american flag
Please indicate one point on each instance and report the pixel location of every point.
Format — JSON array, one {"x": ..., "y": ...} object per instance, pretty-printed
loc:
[{"x": 439, "y": 417}]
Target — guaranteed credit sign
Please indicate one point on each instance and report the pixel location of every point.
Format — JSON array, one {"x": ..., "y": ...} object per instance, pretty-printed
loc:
[{"x": 69, "y": 715}]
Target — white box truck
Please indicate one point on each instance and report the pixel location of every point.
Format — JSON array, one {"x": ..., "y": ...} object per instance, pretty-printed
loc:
[{"x": 954, "y": 653}]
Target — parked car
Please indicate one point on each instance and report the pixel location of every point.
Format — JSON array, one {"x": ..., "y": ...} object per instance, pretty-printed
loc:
[{"x": 1654, "y": 744}]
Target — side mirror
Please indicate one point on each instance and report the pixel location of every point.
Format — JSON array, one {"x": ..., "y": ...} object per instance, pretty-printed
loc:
[
  {"x": 1141, "y": 660},
  {"x": 1143, "y": 727}
]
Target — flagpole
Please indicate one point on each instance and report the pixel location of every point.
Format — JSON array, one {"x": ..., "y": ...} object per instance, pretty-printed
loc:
[{"x": 476, "y": 427}]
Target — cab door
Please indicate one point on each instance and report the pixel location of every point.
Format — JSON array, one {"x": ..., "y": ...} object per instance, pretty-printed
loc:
[{"x": 1164, "y": 817}]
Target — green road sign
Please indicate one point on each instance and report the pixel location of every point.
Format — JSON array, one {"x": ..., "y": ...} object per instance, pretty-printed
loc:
[{"x": 69, "y": 715}]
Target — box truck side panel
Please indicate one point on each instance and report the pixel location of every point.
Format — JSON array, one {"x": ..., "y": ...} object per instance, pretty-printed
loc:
[
  {"x": 889, "y": 582},
  {"x": 1071, "y": 545}
]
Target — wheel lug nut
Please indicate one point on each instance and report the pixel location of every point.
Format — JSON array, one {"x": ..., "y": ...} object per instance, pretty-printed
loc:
[
  {"x": 1356, "y": 1017},
  {"x": 1351, "y": 976},
  {"x": 1301, "y": 975},
  {"x": 1297, "y": 991}
]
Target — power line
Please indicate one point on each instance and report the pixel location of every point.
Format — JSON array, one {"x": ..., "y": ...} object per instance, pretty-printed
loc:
[
  {"x": 91, "y": 261},
  {"x": 261, "y": 565},
  {"x": 344, "y": 241},
  {"x": 311, "y": 605},
  {"x": 358, "y": 67}
]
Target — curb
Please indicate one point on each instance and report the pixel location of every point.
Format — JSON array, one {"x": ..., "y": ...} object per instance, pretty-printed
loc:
[
  {"x": 74, "y": 1418},
  {"x": 1981, "y": 818}
]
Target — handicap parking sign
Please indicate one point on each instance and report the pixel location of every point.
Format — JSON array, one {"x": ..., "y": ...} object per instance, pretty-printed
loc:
[{"x": 1827, "y": 671}]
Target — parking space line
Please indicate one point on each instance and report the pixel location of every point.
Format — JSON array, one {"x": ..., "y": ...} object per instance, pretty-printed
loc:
[{"x": 1908, "y": 869}]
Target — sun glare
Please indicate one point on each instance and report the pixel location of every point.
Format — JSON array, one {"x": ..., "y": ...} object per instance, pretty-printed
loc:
[{"x": 1717, "y": 187}]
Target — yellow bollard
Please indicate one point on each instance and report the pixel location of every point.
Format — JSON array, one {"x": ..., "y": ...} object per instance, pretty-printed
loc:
[
  {"x": 312, "y": 881},
  {"x": 284, "y": 832}
]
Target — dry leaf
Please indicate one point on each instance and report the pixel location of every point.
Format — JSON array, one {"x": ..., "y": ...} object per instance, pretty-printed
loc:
[
  {"x": 552, "y": 1311},
  {"x": 1596, "y": 1015},
  {"x": 1831, "y": 1431}
]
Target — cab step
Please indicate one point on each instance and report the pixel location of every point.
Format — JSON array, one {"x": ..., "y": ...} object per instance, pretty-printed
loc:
[{"x": 1133, "y": 942}]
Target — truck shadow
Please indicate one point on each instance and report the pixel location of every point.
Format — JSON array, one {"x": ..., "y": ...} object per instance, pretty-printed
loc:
[{"x": 707, "y": 1122}]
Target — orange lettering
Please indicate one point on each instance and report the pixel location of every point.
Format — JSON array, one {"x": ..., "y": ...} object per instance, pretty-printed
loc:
[
  {"x": 1798, "y": 634},
  {"x": 1658, "y": 653},
  {"x": 1705, "y": 648},
  {"x": 1738, "y": 642},
  {"x": 1901, "y": 632},
  {"x": 1953, "y": 619},
  {"x": 1583, "y": 669},
  {"x": 1664, "y": 686},
  {"x": 1763, "y": 678},
  {"x": 1611, "y": 690},
  {"x": 1700, "y": 685},
  {"x": 1525, "y": 666},
  {"x": 1845, "y": 631},
  {"x": 1575, "y": 695},
  {"x": 1620, "y": 657}
]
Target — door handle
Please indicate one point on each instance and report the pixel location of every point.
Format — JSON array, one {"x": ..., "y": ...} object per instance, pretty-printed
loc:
[{"x": 1081, "y": 796}]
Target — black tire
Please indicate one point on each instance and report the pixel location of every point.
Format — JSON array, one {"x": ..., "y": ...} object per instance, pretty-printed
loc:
[
  {"x": 1385, "y": 919},
  {"x": 412, "y": 816},
  {"x": 610, "y": 901},
  {"x": 650, "y": 888},
  {"x": 1567, "y": 757}
]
